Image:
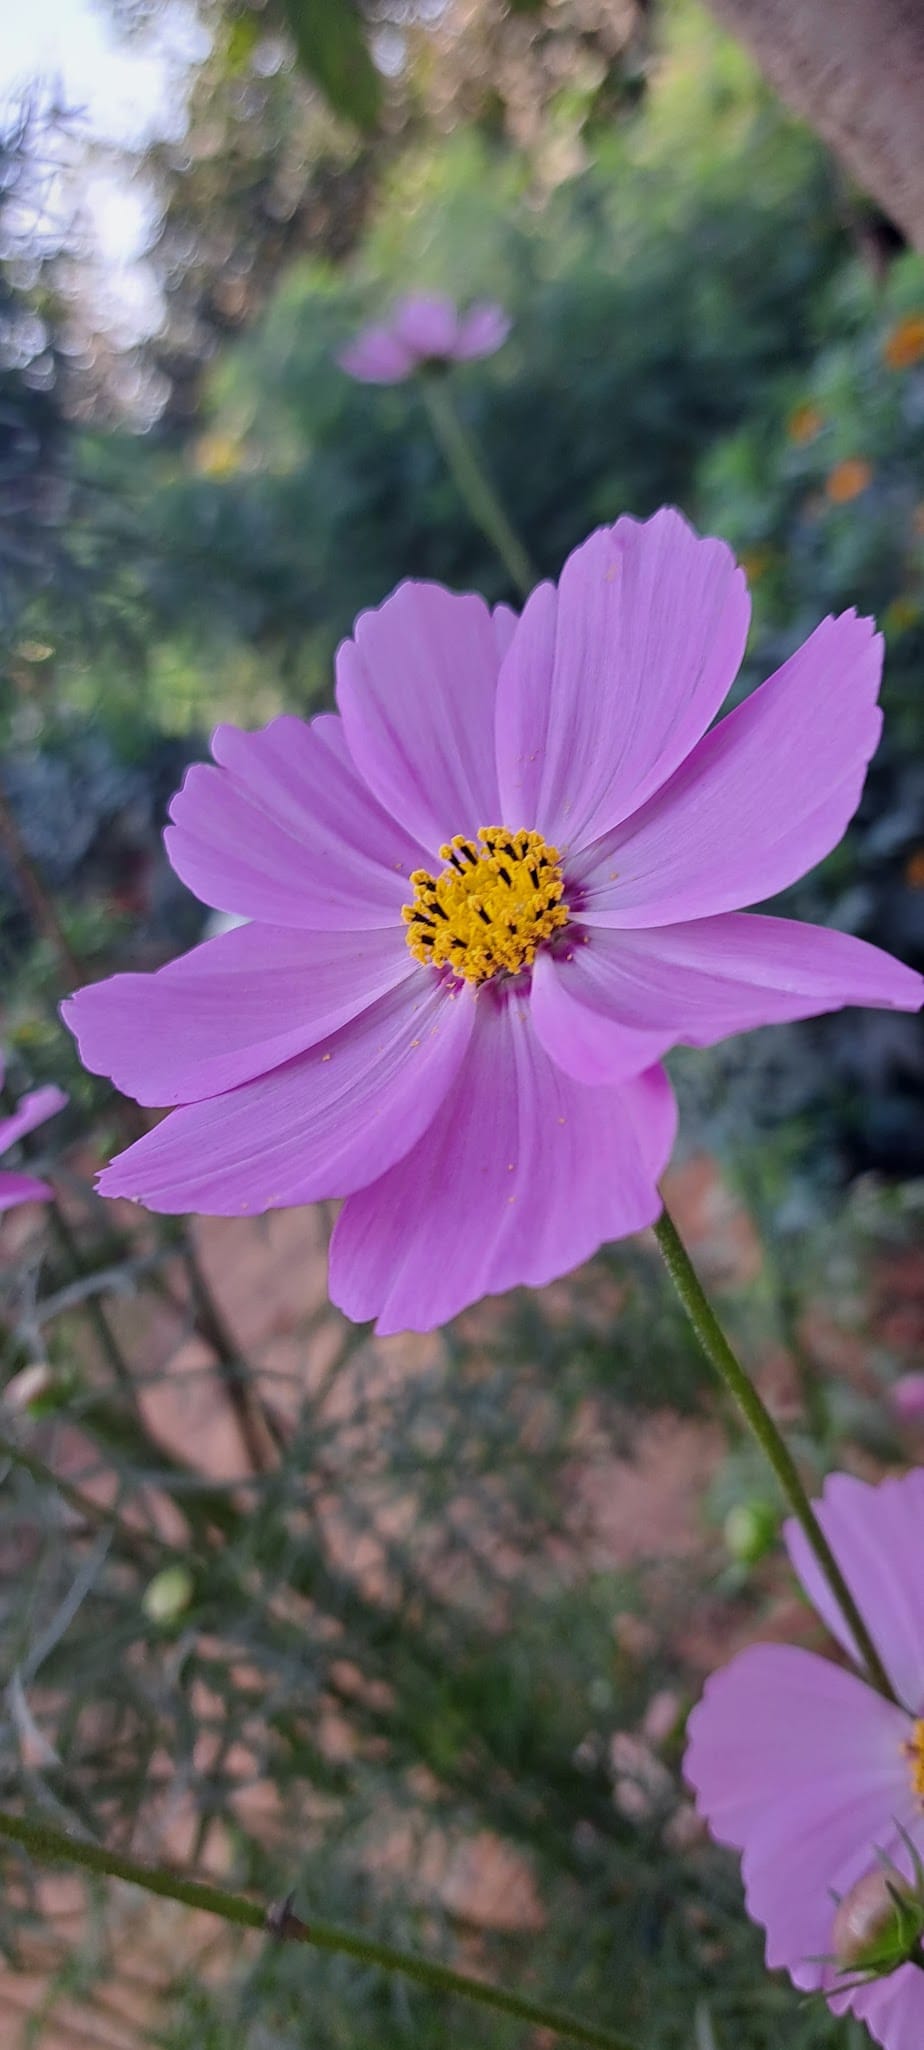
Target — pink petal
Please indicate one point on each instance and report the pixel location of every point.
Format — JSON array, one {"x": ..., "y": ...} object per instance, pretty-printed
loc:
[
  {"x": 877, "y": 1536},
  {"x": 505, "y": 626},
  {"x": 377, "y": 356},
  {"x": 234, "y": 1008},
  {"x": 906, "y": 1396},
  {"x": 800, "y": 1766},
  {"x": 613, "y": 677},
  {"x": 521, "y": 1176},
  {"x": 892, "y": 2008},
  {"x": 322, "y": 1125},
  {"x": 621, "y": 998},
  {"x": 284, "y": 830},
  {"x": 595, "y": 1044},
  {"x": 482, "y": 330},
  {"x": 22, "y": 1188},
  {"x": 32, "y": 1110},
  {"x": 761, "y": 799},
  {"x": 427, "y": 324},
  {"x": 416, "y": 689}
]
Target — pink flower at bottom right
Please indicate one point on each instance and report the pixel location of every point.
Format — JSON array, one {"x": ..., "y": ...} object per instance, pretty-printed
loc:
[{"x": 812, "y": 1775}]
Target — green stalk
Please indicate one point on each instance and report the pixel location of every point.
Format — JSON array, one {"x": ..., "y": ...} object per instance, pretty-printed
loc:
[
  {"x": 719, "y": 1353},
  {"x": 53, "y": 1846},
  {"x": 475, "y": 488}
]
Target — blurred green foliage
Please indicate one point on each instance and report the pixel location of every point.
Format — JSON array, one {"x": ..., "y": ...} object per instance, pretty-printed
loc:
[{"x": 649, "y": 309}]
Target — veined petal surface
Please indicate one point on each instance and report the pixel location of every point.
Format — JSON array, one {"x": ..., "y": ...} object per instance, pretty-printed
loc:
[
  {"x": 522, "y": 1174},
  {"x": 612, "y": 1002},
  {"x": 416, "y": 688},
  {"x": 234, "y": 1008},
  {"x": 758, "y": 802},
  {"x": 284, "y": 830},
  {"x": 325, "y": 1123},
  {"x": 614, "y": 676}
]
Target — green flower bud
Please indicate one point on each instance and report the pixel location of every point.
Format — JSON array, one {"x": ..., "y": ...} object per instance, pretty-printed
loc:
[
  {"x": 749, "y": 1530},
  {"x": 168, "y": 1595},
  {"x": 878, "y": 1925}
]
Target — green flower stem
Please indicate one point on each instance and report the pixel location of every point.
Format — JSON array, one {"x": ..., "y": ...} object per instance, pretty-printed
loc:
[
  {"x": 53, "y": 1846},
  {"x": 720, "y": 1356},
  {"x": 465, "y": 467}
]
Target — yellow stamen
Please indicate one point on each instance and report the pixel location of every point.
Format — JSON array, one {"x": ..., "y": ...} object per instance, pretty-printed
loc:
[
  {"x": 490, "y": 908},
  {"x": 915, "y": 1753}
]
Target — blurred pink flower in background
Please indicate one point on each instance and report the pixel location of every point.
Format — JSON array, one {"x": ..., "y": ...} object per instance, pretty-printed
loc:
[
  {"x": 31, "y": 1111},
  {"x": 906, "y": 1396},
  {"x": 425, "y": 328},
  {"x": 812, "y": 1775},
  {"x": 484, "y": 900}
]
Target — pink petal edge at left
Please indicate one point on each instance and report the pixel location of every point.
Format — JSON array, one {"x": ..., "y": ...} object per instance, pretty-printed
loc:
[
  {"x": 22, "y": 1188},
  {"x": 876, "y": 1532},
  {"x": 800, "y": 1766},
  {"x": 520, "y": 1177},
  {"x": 31, "y": 1111}
]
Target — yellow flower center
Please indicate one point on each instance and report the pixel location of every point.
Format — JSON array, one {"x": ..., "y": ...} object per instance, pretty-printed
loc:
[
  {"x": 915, "y": 1753},
  {"x": 490, "y": 908}
]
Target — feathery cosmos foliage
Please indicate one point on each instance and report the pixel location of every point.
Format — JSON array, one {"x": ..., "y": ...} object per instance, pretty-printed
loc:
[{"x": 31, "y": 1111}]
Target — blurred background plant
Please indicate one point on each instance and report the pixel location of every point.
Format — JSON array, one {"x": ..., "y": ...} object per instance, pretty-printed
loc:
[{"x": 260, "y": 1572}]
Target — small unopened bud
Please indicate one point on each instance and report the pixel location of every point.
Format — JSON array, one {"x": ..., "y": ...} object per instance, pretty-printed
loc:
[
  {"x": 29, "y": 1387},
  {"x": 168, "y": 1595},
  {"x": 749, "y": 1530},
  {"x": 878, "y": 1925}
]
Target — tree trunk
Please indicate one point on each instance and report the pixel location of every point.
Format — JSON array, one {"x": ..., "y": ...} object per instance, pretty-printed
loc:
[{"x": 854, "y": 70}]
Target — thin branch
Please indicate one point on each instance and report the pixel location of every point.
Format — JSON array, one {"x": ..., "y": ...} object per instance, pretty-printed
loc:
[{"x": 53, "y": 1846}]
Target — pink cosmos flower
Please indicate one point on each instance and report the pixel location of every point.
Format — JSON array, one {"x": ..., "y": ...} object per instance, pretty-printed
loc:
[
  {"x": 485, "y": 898},
  {"x": 424, "y": 328},
  {"x": 32, "y": 1110},
  {"x": 907, "y": 1398},
  {"x": 800, "y": 1765}
]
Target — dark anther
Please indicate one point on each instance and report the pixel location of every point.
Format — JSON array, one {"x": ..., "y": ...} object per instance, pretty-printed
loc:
[
  {"x": 534, "y": 878},
  {"x": 439, "y": 911},
  {"x": 420, "y": 917},
  {"x": 507, "y": 848},
  {"x": 482, "y": 914},
  {"x": 469, "y": 850},
  {"x": 505, "y": 874},
  {"x": 456, "y": 863}
]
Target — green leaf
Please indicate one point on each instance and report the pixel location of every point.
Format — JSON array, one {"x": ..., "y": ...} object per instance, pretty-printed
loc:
[{"x": 331, "y": 48}]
